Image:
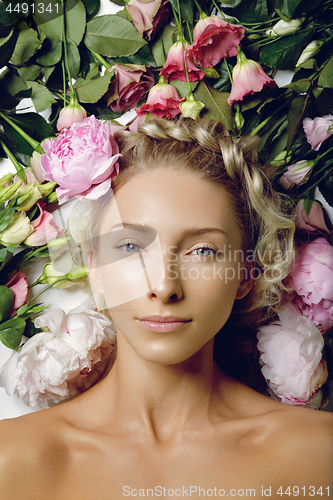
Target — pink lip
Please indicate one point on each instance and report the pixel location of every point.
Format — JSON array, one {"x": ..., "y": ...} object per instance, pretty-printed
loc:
[{"x": 163, "y": 323}]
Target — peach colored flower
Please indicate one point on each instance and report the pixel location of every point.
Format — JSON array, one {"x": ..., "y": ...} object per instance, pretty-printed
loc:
[
  {"x": 44, "y": 229},
  {"x": 214, "y": 39},
  {"x": 248, "y": 77},
  {"x": 174, "y": 67},
  {"x": 318, "y": 130},
  {"x": 296, "y": 174},
  {"x": 148, "y": 17},
  {"x": 314, "y": 222},
  {"x": 73, "y": 113},
  {"x": 163, "y": 101},
  {"x": 131, "y": 84},
  {"x": 19, "y": 285}
]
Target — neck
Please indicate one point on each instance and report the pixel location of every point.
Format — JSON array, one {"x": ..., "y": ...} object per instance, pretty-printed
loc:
[{"x": 161, "y": 399}]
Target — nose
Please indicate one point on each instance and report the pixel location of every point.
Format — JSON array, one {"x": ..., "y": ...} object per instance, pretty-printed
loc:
[{"x": 170, "y": 289}]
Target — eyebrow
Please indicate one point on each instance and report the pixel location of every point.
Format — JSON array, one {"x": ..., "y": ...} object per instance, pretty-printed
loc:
[{"x": 193, "y": 231}]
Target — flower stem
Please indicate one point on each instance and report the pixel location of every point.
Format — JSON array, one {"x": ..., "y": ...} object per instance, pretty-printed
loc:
[
  {"x": 18, "y": 167},
  {"x": 264, "y": 122},
  {"x": 100, "y": 59},
  {"x": 198, "y": 6},
  {"x": 36, "y": 145},
  {"x": 181, "y": 36},
  {"x": 64, "y": 44}
]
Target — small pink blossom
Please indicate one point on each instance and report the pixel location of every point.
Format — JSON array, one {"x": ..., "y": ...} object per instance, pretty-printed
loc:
[
  {"x": 214, "y": 39},
  {"x": 148, "y": 17},
  {"x": 45, "y": 229},
  {"x": 296, "y": 174},
  {"x": 68, "y": 357},
  {"x": 291, "y": 357},
  {"x": 318, "y": 130},
  {"x": 311, "y": 276},
  {"x": 19, "y": 285},
  {"x": 313, "y": 222},
  {"x": 131, "y": 84},
  {"x": 81, "y": 160},
  {"x": 174, "y": 67},
  {"x": 73, "y": 113},
  {"x": 163, "y": 101},
  {"x": 248, "y": 77}
]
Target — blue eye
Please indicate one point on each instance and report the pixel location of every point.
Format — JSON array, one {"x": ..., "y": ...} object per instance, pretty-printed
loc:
[
  {"x": 129, "y": 247},
  {"x": 204, "y": 251}
]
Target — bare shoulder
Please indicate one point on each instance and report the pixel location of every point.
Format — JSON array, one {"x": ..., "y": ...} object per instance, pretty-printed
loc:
[
  {"x": 301, "y": 442},
  {"x": 31, "y": 447}
]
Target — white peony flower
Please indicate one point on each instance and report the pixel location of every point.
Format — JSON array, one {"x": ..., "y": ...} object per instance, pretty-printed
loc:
[
  {"x": 291, "y": 358},
  {"x": 62, "y": 361}
]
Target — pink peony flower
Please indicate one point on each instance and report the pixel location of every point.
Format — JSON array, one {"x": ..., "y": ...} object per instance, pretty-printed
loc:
[
  {"x": 73, "y": 113},
  {"x": 312, "y": 223},
  {"x": 174, "y": 67},
  {"x": 129, "y": 87},
  {"x": 248, "y": 77},
  {"x": 163, "y": 101},
  {"x": 19, "y": 285},
  {"x": 291, "y": 357},
  {"x": 62, "y": 361},
  {"x": 81, "y": 160},
  {"x": 311, "y": 276},
  {"x": 45, "y": 229},
  {"x": 296, "y": 174},
  {"x": 148, "y": 16},
  {"x": 214, "y": 39},
  {"x": 318, "y": 130}
]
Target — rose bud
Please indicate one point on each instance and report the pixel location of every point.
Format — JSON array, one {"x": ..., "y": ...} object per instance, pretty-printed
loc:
[
  {"x": 8, "y": 192},
  {"x": 44, "y": 229},
  {"x": 163, "y": 101},
  {"x": 318, "y": 130},
  {"x": 314, "y": 222},
  {"x": 248, "y": 77},
  {"x": 17, "y": 231},
  {"x": 19, "y": 285},
  {"x": 36, "y": 167},
  {"x": 297, "y": 174},
  {"x": 27, "y": 196},
  {"x": 214, "y": 39},
  {"x": 73, "y": 113},
  {"x": 310, "y": 50},
  {"x": 191, "y": 107},
  {"x": 286, "y": 27},
  {"x": 174, "y": 67}
]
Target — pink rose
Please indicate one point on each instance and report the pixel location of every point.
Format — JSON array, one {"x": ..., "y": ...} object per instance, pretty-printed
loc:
[
  {"x": 296, "y": 174},
  {"x": 311, "y": 276},
  {"x": 129, "y": 87},
  {"x": 248, "y": 77},
  {"x": 73, "y": 113},
  {"x": 81, "y": 160},
  {"x": 174, "y": 67},
  {"x": 148, "y": 16},
  {"x": 45, "y": 229},
  {"x": 63, "y": 361},
  {"x": 313, "y": 222},
  {"x": 291, "y": 357},
  {"x": 19, "y": 285},
  {"x": 318, "y": 130},
  {"x": 163, "y": 101},
  {"x": 214, "y": 39}
]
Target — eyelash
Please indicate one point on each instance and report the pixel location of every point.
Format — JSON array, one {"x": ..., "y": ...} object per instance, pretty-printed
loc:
[
  {"x": 124, "y": 243},
  {"x": 206, "y": 247}
]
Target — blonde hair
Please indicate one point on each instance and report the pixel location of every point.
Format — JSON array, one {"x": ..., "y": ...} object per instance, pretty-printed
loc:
[{"x": 206, "y": 148}]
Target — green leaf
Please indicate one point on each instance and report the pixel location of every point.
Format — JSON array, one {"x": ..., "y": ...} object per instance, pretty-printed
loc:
[
  {"x": 26, "y": 45},
  {"x": 49, "y": 25},
  {"x": 11, "y": 333},
  {"x": 326, "y": 75},
  {"x": 93, "y": 71},
  {"x": 216, "y": 103},
  {"x": 41, "y": 96},
  {"x": 30, "y": 72},
  {"x": 74, "y": 59},
  {"x": 6, "y": 301},
  {"x": 48, "y": 70},
  {"x": 112, "y": 36},
  {"x": 182, "y": 87},
  {"x": 11, "y": 82},
  {"x": 31, "y": 329},
  {"x": 186, "y": 9},
  {"x": 326, "y": 188},
  {"x": 167, "y": 39},
  {"x": 7, "y": 46},
  {"x": 295, "y": 116},
  {"x": 5, "y": 217},
  {"x": 253, "y": 11},
  {"x": 288, "y": 7},
  {"x": 33, "y": 124},
  {"x": 75, "y": 20},
  {"x": 92, "y": 7},
  {"x": 300, "y": 86},
  {"x": 284, "y": 53},
  {"x": 50, "y": 53},
  {"x": 92, "y": 90}
]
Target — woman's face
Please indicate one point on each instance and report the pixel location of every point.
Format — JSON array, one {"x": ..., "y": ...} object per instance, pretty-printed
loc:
[{"x": 170, "y": 263}]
